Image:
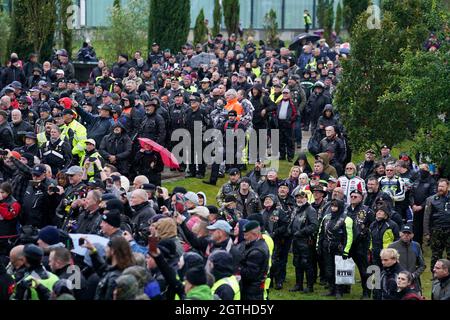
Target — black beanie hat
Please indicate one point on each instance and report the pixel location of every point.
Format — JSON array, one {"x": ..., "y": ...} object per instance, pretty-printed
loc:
[
  {"x": 196, "y": 276},
  {"x": 112, "y": 218}
]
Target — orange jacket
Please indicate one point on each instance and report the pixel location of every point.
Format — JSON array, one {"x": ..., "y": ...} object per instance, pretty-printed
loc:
[{"x": 236, "y": 106}]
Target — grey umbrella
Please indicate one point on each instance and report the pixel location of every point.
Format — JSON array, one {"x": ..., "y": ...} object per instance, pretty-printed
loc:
[{"x": 202, "y": 58}]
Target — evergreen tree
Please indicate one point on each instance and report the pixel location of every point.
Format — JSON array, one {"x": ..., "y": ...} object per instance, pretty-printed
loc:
[
  {"x": 217, "y": 15},
  {"x": 64, "y": 27},
  {"x": 352, "y": 9},
  {"x": 271, "y": 28},
  {"x": 339, "y": 17},
  {"x": 33, "y": 27},
  {"x": 169, "y": 23},
  {"x": 231, "y": 10},
  {"x": 200, "y": 29},
  {"x": 381, "y": 87},
  {"x": 325, "y": 16},
  {"x": 116, "y": 4}
]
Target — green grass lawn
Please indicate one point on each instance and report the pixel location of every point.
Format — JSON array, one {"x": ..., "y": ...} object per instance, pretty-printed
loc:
[{"x": 196, "y": 185}]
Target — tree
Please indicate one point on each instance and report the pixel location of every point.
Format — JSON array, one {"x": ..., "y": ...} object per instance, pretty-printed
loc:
[
  {"x": 368, "y": 122},
  {"x": 200, "y": 29},
  {"x": 65, "y": 29},
  {"x": 417, "y": 88},
  {"x": 5, "y": 26},
  {"x": 339, "y": 18},
  {"x": 271, "y": 28},
  {"x": 121, "y": 37},
  {"x": 378, "y": 95},
  {"x": 33, "y": 27},
  {"x": 116, "y": 4},
  {"x": 169, "y": 23},
  {"x": 217, "y": 16},
  {"x": 352, "y": 9},
  {"x": 231, "y": 10},
  {"x": 325, "y": 17}
]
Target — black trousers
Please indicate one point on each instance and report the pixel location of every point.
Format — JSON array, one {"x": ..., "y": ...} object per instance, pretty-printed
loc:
[
  {"x": 287, "y": 146},
  {"x": 330, "y": 269},
  {"x": 418, "y": 226},
  {"x": 359, "y": 254},
  {"x": 280, "y": 259},
  {"x": 303, "y": 262},
  {"x": 196, "y": 163}
]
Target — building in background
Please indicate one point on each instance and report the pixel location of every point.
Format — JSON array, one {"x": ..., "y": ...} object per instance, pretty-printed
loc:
[{"x": 95, "y": 13}]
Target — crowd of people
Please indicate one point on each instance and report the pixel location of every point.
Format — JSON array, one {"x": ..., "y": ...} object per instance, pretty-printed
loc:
[{"x": 72, "y": 167}]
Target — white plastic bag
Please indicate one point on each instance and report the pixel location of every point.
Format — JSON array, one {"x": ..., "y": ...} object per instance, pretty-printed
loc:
[{"x": 345, "y": 270}]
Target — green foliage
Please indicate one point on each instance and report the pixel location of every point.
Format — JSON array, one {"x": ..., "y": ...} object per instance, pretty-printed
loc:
[
  {"x": 63, "y": 27},
  {"x": 169, "y": 23},
  {"x": 391, "y": 89},
  {"x": 367, "y": 76},
  {"x": 200, "y": 29},
  {"x": 116, "y": 4},
  {"x": 5, "y": 26},
  {"x": 33, "y": 27},
  {"x": 339, "y": 19},
  {"x": 417, "y": 88},
  {"x": 352, "y": 9},
  {"x": 125, "y": 34},
  {"x": 217, "y": 16},
  {"x": 271, "y": 28},
  {"x": 231, "y": 9},
  {"x": 325, "y": 16}
]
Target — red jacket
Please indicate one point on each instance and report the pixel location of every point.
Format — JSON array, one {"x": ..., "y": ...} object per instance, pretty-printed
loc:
[{"x": 9, "y": 212}]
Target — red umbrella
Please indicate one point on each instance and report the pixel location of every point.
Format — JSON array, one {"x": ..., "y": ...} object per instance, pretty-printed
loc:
[{"x": 167, "y": 157}]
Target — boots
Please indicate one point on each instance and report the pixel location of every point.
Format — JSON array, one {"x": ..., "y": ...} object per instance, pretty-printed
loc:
[{"x": 298, "y": 287}]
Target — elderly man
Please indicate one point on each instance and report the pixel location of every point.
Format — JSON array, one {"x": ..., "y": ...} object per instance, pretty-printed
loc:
[
  {"x": 19, "y": 127},
  {"x": 142, "y": 212},
  {"x": 71, "y": 198},
  {"x": 233, "y": 103}
]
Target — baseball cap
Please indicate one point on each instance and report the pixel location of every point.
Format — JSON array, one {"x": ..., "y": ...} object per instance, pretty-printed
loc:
[
  {"x": 407, "y": 228},
  {"x": 251, "y": 225},
  {"x": 220, "y": 225},
  {"x": 39, "y": 170},
  {"x": 74, "y": 170},
  {"x": 91, "y": 141}
]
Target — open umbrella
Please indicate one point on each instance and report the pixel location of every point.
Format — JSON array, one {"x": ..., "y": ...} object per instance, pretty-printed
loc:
[
  {"x": 298, "y": 39},
  {"x": 167, "y": 157},
  {"x": 202, "y": 58}
]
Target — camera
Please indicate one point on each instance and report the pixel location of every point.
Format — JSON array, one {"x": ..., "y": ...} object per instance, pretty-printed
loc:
[
  {"x": 92, "y": 159},
  {"x": 81, "y": 242},
  {"x": 53, "y": 189}
]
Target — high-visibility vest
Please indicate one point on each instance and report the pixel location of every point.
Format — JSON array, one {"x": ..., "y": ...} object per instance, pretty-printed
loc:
[
  {"x": 42, "y": 138},
  {"x": 90, "y": 171},
  {"x": 48, "y": 283},
  {"x": 270, "y": 245},
  {"x": 79, "y": 138},
  {"x": 232, "y": 282}
]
